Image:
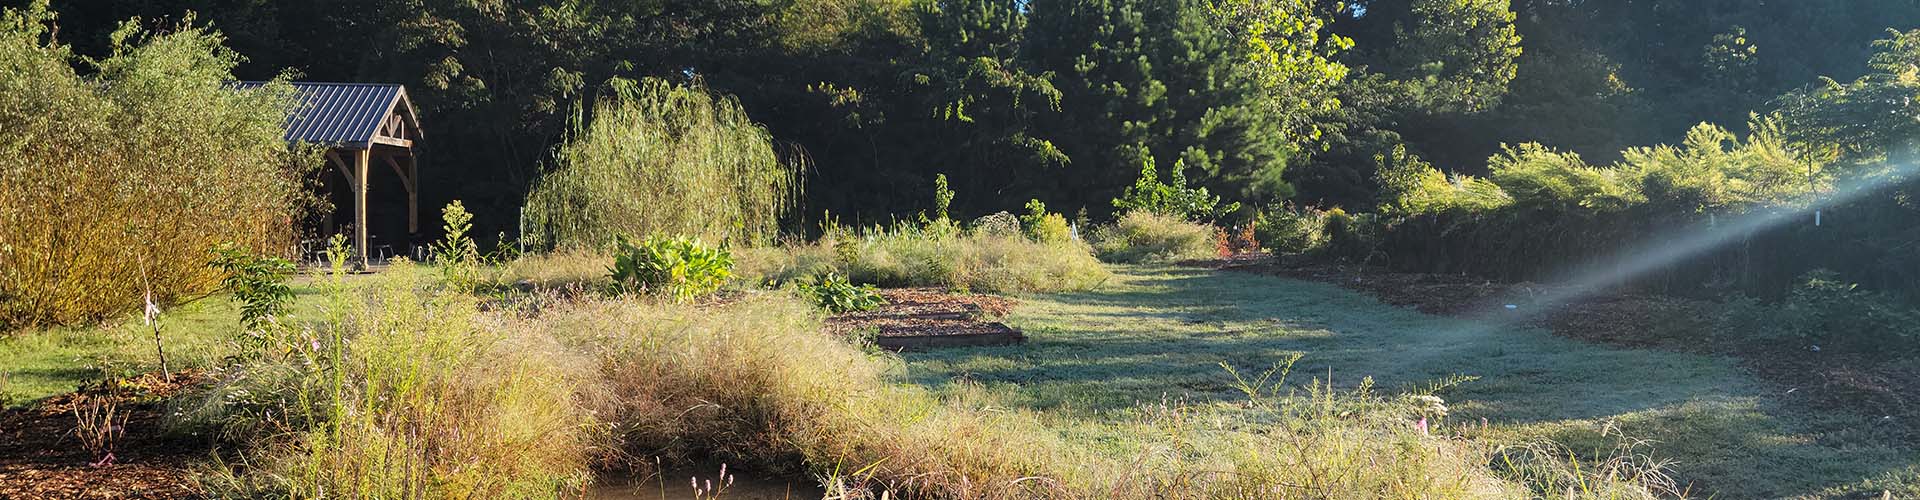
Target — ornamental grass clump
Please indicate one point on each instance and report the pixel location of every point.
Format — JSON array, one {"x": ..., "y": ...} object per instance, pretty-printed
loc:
[
  {"x": 1143, "y": 236},
  {"x": 907, "y": 255},
  {"x": 406, "y": 390}
]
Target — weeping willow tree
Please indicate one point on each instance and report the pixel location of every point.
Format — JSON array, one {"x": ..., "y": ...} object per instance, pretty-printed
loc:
[{"x": 659, "y": 158}]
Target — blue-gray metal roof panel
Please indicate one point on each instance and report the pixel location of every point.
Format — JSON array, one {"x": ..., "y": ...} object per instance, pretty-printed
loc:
[{"x": 338, "y": 113}]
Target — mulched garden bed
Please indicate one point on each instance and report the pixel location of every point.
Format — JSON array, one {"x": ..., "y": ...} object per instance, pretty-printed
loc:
[
  {"x": 1822, "y": 380},
  {"x": 40, "y": 456},
  {"x": 923, "y": 318}
]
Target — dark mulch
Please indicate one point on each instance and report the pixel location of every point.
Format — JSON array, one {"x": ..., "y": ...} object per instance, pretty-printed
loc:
[
  {"x": 1859, "y": 382},
  {"x": 40, "y": 457},
  {"x": 912, "y": 312}
]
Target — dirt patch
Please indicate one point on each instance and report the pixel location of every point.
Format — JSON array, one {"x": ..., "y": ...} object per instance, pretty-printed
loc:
[
  {"x": 1818, "y": 380},
  {"x": 41, "y": 456},
  {"x": 924, "y": 313}
]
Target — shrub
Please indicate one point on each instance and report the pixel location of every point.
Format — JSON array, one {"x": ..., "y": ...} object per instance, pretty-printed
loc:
[
  {"x": 104, "y": 193},
  {"x": 835, "y": 294},
  {"x": 1045, "y": 227},
  {"x": 1353, "y": 237},
  {"x": 1051, "y": 229},
  {"x": 1290, "y": 230},
  {"x": 1410, "y": 185},
  {"x": 259, "y": 284},
  {"x": 1535, "y": 175},
  {"x": 1148, "y": 194},
  {"x": 681, "y": 268},
  {"x": 657, "y": 158},
  {"x": 1714, "y": 169},
  {"x": 998, "y": 224},
  {"x": 1824, "y": 310},
  {"x": 1143, "y": 236}
]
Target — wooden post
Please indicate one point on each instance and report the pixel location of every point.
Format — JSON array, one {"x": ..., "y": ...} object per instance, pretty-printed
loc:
[
  {"x": 361, "y": 159},
  {"x": 409, "y": 180},
  {"x": 413, "y": 196},
  {"x": 326, "y": 223}
]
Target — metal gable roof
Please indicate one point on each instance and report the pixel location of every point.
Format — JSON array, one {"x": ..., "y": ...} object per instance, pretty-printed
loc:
[{"x": 339, "y": 113}]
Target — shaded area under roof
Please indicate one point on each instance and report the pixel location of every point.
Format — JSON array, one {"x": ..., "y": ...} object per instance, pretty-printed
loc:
[{"x": 340, "y": 114}]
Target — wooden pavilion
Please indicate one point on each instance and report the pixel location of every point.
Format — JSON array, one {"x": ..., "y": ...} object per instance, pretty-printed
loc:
[{"x": 361, "y": 125}]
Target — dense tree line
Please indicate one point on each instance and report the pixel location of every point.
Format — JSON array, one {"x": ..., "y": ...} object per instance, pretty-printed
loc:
[{"x": 1262, "y": 101}]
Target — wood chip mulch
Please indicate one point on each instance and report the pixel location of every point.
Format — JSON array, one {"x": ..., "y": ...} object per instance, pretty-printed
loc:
[
  {"x": 928, "y": 312},
  {"x": 40, "y": 456},
  {"x": 1884, "y": 387}
]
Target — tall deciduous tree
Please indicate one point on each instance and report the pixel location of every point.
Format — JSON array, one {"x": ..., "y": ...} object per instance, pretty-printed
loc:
[{"x": 1216, "y": 87}]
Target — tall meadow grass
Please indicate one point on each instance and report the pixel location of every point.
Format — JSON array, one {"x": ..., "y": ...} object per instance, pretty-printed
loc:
[
  {"x": 405, "y": 390},
  {"x": 1142, "y": 236},
  {"x": 906, "y": 255},
  {"x": 409, "y": 389}
]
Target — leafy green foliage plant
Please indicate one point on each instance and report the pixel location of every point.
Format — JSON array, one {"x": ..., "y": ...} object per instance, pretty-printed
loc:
[
  {"x": 1828, "y": 312},
  {"x": 260, "y": 284},
  {"x": 1043, "y": 226},
  {"x": 456, "y": 254},
  {"x": 681, "y": 268},
  {"x": 1174, "y": 199},
  {"x": 1291, "y": 230},
  {"x": 833, "y": 293}
]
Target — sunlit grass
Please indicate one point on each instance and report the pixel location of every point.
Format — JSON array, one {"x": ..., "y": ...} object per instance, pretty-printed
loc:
[
  {"x": 43, "y": 362},
  {"x": 1154, "y": 333}
]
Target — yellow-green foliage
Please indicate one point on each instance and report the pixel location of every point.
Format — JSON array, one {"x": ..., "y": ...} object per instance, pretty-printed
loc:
[
  {"x": 904, "y": 255},
  {"x": 406, "y": 391},
  {"x": 657, "y": 158},
  {"x": 1414, "y": 186},
  {"x": 1051, "y": 229},
  {"x": 1536, "y": 175},
  {"x": 1714, "y": 169},
  {"x": 1142, "y": 236},
  {"x": 127, "y": 178}
]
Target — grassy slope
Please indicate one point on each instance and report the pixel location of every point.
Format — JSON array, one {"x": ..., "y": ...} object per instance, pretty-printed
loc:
[
  {"x": 35, "y": 364},
  {"x": 1159, "y": 333}
]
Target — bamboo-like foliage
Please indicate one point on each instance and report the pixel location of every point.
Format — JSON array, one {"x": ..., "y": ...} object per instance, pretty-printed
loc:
[
  {"x": 121, "y": 183},
  {"x": 658, "y": 158}
]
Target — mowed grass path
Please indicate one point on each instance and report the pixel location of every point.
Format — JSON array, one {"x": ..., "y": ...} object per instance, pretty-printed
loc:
[
  {"x": 1154, "y": 334},
  {"x": 39, "y": 363}
]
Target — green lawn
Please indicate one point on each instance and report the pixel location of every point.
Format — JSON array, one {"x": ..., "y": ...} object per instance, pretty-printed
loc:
[
  {"x": 1156, "y": 333},
  {"x": 35, "y": 364}
]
